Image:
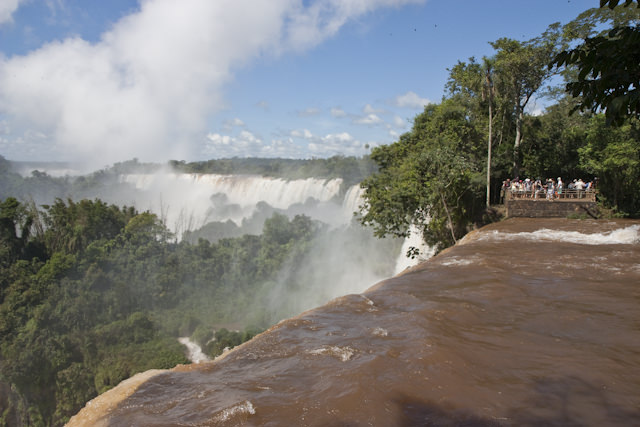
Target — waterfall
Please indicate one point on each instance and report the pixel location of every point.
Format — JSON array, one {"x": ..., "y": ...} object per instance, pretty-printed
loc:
[
  {"x": 187, "y": 201},
  {"x": 352, "y": 201},
  {"x": 194, "y": 352},
  {"x": 413, "y": 240}
]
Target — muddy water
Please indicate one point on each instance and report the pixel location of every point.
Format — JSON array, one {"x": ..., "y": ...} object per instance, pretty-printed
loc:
[{"x": 527, "y": 322}]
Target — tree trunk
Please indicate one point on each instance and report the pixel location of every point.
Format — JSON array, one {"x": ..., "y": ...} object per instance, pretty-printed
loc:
[
  {"x": 516, "y": 144},
  {"x": 489, "y": 156}
]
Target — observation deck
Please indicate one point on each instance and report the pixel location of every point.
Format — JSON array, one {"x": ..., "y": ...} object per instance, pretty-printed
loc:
[{"x": 535, "y": 204}]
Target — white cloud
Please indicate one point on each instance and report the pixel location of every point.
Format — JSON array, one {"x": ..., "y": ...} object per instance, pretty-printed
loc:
[
  {"x": 368, "y": 109},
  {"x": 147, "y": 88},
  {"x": 322, "y": 19},
  {"x": 534, "y": 109},
  {"x": 339, "y": 143},
  {"x": 264, "y": 105},
  {"x": 411, "y": 100},
  {"x": 309, "y": 112},
  {"x": 7, "y": 8},
  {"x": 305, "y": 133},
  {"x": 399, "y": 122},
  {"x": 247, "y": 144},
  {"x": 338, "y": 112},
  {"x": 230, "y": 124},
  {"x": 369, "y": 119},
  {"x": 226, "y": 145}
]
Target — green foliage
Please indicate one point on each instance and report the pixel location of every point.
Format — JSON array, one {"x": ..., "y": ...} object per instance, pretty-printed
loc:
[
  {"x": 608, "y": 68},
  {"x": 110, "y": 295},
  {"x": 608, "y": 77},
  {"x": 613, "y": 155},
  {"x": 613, "y": 3},
  {"x": 351, "y": 169},
  {"x": 430, "y": 178}
]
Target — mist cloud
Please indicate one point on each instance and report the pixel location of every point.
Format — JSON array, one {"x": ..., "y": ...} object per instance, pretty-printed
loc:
[{"x": 148, "y": 86}]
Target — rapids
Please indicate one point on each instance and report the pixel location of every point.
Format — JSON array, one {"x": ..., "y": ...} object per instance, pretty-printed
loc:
[{"x": 524, "y": 322}]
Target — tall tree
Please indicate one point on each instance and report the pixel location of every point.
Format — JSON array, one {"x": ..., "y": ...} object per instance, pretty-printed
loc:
[
  {"x": 524, "y": 65},
  {"x": 430, "y": 178},
  {"x": 488, "y": 93}
]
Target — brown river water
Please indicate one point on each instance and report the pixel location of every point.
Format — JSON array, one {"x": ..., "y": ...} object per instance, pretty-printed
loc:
[{"x": 525, "y": 322}]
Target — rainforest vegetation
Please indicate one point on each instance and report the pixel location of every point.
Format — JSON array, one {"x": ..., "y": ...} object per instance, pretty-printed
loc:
[
  {"x": 445, "y": 173},
  {"x": 92, "y": 293}
]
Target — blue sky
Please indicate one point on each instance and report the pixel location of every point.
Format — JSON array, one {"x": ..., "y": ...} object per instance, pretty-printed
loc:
[{"x": 106, "y": 81}]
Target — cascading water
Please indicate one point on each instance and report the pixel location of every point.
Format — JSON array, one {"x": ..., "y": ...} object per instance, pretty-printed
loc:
[
  {"x": 194, "y": 352},
  {"x": 414, "y": 240},
  {"x": 187, "y": 202},
  {"x": 195, "y": 199}
]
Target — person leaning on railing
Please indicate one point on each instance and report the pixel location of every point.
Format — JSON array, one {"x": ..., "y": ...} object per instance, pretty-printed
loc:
[{"x": 519, "y": 189}]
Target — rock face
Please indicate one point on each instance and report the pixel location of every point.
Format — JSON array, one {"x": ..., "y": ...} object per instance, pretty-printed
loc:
[{"x": 525, "y": 322}]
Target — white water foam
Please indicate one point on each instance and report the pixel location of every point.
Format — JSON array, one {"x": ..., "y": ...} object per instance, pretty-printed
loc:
[
  {"x": 342, "y": 353},
  {"x": 380, "y": 332},
  {"x": 456, "y": 261},
  {"x": 622, "y": 236},
  {"x": 244, "y": 408},
  {"x": 194, "y": 352}
]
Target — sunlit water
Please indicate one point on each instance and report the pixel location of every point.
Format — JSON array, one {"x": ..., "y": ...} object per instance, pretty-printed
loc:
[{"x": 527, "y": 322}]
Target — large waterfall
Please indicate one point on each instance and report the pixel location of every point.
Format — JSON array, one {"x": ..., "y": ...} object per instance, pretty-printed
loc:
[
  {"x": 192, "y": 200},
  {"x": 348, "y": 262}
]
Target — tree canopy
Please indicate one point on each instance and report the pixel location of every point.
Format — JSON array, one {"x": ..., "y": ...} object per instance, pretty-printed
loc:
[
  {"x": 608, "y": 65},
  {"x": 432, "y": 177}
]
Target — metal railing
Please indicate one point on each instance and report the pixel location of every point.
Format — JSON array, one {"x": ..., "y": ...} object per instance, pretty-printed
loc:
[{"x": 587, "y": 195}]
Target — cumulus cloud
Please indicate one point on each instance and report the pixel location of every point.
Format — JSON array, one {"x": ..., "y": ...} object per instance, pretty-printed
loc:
[
  {"x": 230, "y": 124},
  {"x": 399, "y": 122},
  {"x": 226, "y": 145},
  {"x": 339, "y": 143},
  {"x": 411, "y": 100},
  {"x": 7, "y": 8},
  {"x": 248, "y": 144},
  {"x": 305, "y": 133},
  {"x": 148, "y": 86},
  {"x": 369, "y": 119},
  {"x": 368, "y": 109}
]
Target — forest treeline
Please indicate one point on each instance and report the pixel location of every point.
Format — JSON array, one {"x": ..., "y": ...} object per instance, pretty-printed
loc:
[
  {"x": 443, "y": 175},
  {"x": 351, "y": 169},
  {"x": 92, "y": 293}
]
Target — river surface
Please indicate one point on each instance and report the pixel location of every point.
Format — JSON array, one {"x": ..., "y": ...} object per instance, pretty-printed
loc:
[{"x": 526, "y": 322}]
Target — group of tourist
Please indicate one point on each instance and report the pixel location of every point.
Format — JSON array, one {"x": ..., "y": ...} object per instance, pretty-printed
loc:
[{"x": 551, "y": 189}]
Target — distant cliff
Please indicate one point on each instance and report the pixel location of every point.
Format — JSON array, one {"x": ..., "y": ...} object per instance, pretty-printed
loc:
[{"x": 523, "y": 322}]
